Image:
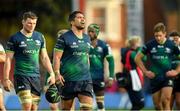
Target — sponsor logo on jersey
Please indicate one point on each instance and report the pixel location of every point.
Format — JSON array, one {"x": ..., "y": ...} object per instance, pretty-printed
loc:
[
  {"x": 159, "y": 57},
  {"x": 22, "y": 44},
  {"x": 80, "y": 41},
  {"x": 29, "y": 39},
  {"x": 31, "y": 51},
  {"x": 80, "y": 53},
  {"x": 160, "y": 46}
]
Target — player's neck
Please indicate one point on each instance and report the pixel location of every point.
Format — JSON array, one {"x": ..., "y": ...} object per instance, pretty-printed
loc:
[
  {"x": 163, "y": 41},
  {"x": 26, "y": 33},
  {"x": 78, "y": 33},
  {"x": 94, "y": 42}
]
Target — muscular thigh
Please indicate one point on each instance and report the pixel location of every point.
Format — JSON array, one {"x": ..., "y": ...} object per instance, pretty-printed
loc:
[{"x": 166, "y": 92}]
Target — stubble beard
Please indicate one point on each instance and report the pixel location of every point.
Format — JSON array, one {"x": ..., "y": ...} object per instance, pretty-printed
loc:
[{"x": 80, "y": 27}]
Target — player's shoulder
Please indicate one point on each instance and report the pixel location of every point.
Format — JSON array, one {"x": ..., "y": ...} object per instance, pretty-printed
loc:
[
  {"x": 152, "y": 41},
  {"x": 66, "y": 35},
  {"x": 15, "y": 36},
  {"x": 36, "y": 33},
  {"x": 102, "y": 42},
  {"x": 86, "y": 36},
  {"x": 170, "y": 42}
]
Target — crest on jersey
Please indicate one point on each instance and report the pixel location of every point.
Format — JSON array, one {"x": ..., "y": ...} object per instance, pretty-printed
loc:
[
  {"x": 167, "y": 50},
  {"x": 38, "y": 42},
  {"x": 153, "y": 50},
  {"x": 99, "y": 49}
]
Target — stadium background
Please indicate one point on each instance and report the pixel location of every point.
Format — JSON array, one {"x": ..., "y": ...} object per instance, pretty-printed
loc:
[{"x": 119, "y": 19}]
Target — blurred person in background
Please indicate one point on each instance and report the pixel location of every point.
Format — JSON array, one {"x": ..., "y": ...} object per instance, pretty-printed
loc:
[
  {"x": 27, "y": 46},
  {"x": 175, "y": 36},
  {"x": 72, "y": 50},
  {"x": 100, "y": 51},
  {"x": 131, "y": 78},
  {"x": 2, "y": 59},
  {"x": 160, "y": 50}
]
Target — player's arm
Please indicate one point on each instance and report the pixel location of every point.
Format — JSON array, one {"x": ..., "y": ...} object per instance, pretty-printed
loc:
[
  {"x": 2, "y": 57},
  {"x": 56, "y": 65},
  {"x": 139, "y": 62},
  {"x": 110, "y": 60},
  {"x": 2, "y": 54},
  {"x": 47, "y": 64},
  {"x": 7, "y": 67}
]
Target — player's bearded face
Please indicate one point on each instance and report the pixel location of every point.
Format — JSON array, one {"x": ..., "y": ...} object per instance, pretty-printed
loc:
[
  {"x": 29, "y": 25},
  {"x": 79, "y": 21},
  {"x": 160, "y": 37}
]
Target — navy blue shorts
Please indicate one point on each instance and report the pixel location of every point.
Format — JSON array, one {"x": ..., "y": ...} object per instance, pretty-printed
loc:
[
  {"x": 98, "y": 85},
  {"x": 27, "y": 83},
  {"x": 176, "y": 87},
  {"x": 72, "y": 89},
  {"x": 158, "y": 84}
]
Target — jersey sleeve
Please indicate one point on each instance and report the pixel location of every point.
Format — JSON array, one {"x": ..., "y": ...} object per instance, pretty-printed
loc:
[
  {"x": 60, "y": 44},
  {"x": 177, "y": 50},
  {"x": 1, "y": 49},
  {"x": 11, "y": 45},
  {"x": 43, "y": 42},
  {"x": 144, "y": 49},
  {"x": 107, "y": 50},
  {"x": 133, "y": 55}
]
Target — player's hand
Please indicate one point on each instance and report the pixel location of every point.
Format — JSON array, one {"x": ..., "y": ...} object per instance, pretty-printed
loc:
[
  {"x": 7, "y": 84},
  {"x": 51, "y": 79},
  {"x": 172, "y": 73},
  {"x": 109, "y": 82},
  {"x": 60, "y": 79},
  {"x": 149, "y": 74}
]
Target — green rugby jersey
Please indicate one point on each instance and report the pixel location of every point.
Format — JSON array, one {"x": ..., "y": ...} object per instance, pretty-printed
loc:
[
  {"x": 97, "y": 56},
  {"x": 74, "y": 61},
  {"x": 26, "y": 52},
  {"x": 161, "y": 56}
]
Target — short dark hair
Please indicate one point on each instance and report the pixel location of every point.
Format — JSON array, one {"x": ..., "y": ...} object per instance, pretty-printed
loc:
[
  {"x": 73, "y": 15},
  {"x": 160, "y": 27},
  {"x": 174, "y": 33},
  {"x": 29, "y": 14}
]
